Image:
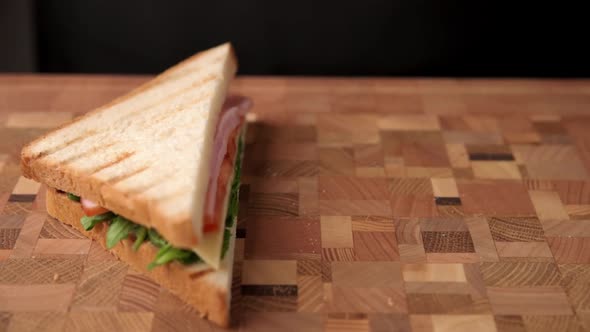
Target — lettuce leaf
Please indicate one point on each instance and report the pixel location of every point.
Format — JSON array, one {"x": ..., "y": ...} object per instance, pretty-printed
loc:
[
  {"x": 118, "y": 230},
  {"x": 89, "y": 222}
]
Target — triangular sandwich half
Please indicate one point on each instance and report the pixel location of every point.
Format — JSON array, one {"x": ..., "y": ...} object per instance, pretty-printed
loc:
[{"x": 154, "y": 177}]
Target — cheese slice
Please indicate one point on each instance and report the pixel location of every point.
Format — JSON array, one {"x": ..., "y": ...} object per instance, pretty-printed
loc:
[{"x": 211, "y": 244}]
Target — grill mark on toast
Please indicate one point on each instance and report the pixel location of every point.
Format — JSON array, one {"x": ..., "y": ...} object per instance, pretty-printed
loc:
[
  {"x": 84, "y": 154},
  {"x": 156, "y": 120},
  {"x": 120, "y": 178},
  {"x": 64, "y": 145},
  {"x": 205, "y": 80},
  {"x": 117, "y": 160}
]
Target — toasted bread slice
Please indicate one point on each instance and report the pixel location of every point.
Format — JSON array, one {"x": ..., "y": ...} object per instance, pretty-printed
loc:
[
  {"x": 145, "y": 155},
  {"x": 208, "y": 290}
]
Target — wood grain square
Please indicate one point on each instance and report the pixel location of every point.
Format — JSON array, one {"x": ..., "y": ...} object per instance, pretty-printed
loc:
[
  {"x": 282, "y": 238},
  {"x": 442, "y": 225},
  {"x": 367, "y": 274},
  {"x": 282, "y": 151},
  {"x": 574, "y": 282},
  {"x": 355, "y": 207},
  {"x": 524, "y": 250},
  {"x": 567, "y": 228},
  {"x": 41, "y": 270},
  {"x": 425, "y": 155},
  {"x": 468, "y": 137},
  {"x": 497, "y": 198},
  {"x": 338, "y": 254},
  {"x": 552, "y": 323},
  {"x": 139, "y": 293},
  {"x": 308, "y": 267},
  {"x": 572, "y": 192},
  {"x": 413, "y": 206},
  {"x": 436, "y": 303},
  {"x": 445, "y": 187},
  {"x": 428, "y": 172},
  {"x": 269, "y": 272},
  {"x": 109, "y": 321},
  {"x": 372, "y": 224},
  {"x": 578, "y": 212},
  {"x": 522, "y": 137},
  {"x": 36, "y": 321},
  {"x": 267, "y": 186},
  {"x": 99, "y": 286},
  {"x": 336, "y": 232},
  {"x": 310, "y": 295},
  {"x": 482, "y": 239},
  {"x": 548, "y": 205},
  {"x": 337, "y": 161},
  {"x": 509, "y": 323},
  {"x": 8, "y": 237},
  {"x": 265, "y": 132},
  {"x": 412, "y": 253},
  {"x": 495, "y": 170},
  {"x": 55, "y": 229},
  {"x": 367, "y": 300},
  {"x": 447, "y": 242},
  {"x": 404, "y": 122},
  {"x": 389, "y": 322},
  {"x": 551, "y": 161},
  {"x": 458, "y": 156},
  {"x": 463, "y": 173},
  {"x": 273, "y": 204},
  {"x": 463, "y": 323},
  {"x": 570, "y": 249},
  {"x": 280, "y": 168},
  {"x": 395, "y": 102},
  {"x": 308, "y": 197},
  {"x": 433, "y": 273},
  {"x": 26, "y": 186},
  {"x": 407, "y": 231},
  {"x": 28, "y": 235},
  {"x": 410, "y": 186},
  {"x": 489, "y": 152},
  {"x": 368, "y": 155},
  {"x": 346, "y": 323},
  {"x": 62, "y": 246},
  {"x": 516, "y": 229},
  {"x": 33, "y": 298},
  {"x": 353, "y": 188},
  {"x": 281, "y": 321},
  {"x": 529, "y": 301},
  {"x": 375, "y": 246},
  {"x": 370, "y": 172},
  {"x": 520, "y": 274},
  {"x": 445, "y": 257},
  {"x": 391, "y": 143},
  {"x": 339, "y": 129}
]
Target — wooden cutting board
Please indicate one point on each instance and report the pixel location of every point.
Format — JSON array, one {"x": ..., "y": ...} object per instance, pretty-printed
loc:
[{"x": 367, "y": 204}]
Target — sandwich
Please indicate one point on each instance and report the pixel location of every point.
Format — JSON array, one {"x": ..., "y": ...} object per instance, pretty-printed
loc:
[{"x": 154, "y": 177}]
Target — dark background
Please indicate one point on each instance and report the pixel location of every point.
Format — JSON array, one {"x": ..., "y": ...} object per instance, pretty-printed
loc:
[{"x": 300, "y": 37}]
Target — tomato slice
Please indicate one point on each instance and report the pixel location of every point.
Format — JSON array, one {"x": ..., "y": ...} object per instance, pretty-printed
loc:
[
  {"x": 212, "y": 223},
  {"x": 90, "y": 208}
]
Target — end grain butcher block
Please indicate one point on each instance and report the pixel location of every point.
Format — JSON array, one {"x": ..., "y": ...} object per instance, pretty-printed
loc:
[{"x": 367, "y": 204}]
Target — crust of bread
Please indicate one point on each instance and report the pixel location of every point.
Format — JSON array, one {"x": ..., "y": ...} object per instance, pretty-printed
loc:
[
  {"x": 176, "y": 214},
  {"x": 203, "y": 290}
]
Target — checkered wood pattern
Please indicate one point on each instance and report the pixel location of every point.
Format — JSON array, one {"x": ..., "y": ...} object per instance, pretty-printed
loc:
[{"x": 366, "y": 205}]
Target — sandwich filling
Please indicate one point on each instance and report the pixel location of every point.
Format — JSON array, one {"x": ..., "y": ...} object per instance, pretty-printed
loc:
[
  {"x": 225, "y": 176},
  {"x": 120, "y": 228}
]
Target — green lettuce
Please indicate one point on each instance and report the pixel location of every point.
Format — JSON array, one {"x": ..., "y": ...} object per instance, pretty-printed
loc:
[{"x": 120, "y": 228}]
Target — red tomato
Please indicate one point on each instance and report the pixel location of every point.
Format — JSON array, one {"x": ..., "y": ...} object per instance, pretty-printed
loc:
[{"x": 90, "y": 208}]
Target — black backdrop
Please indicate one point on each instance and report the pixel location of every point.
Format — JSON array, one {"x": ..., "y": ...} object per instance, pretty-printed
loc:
[{"x": 302, "y": 37}]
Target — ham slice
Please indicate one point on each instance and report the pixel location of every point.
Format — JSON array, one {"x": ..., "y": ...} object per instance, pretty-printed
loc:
[{"x": 222, "y": 163}]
